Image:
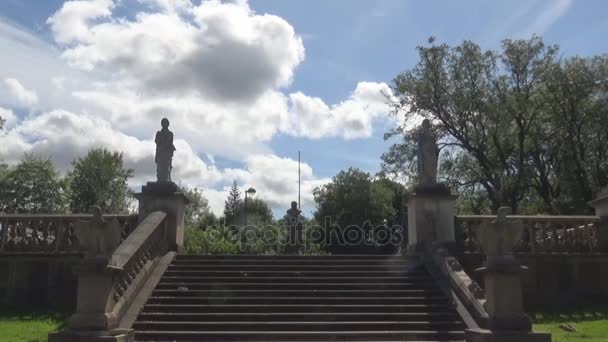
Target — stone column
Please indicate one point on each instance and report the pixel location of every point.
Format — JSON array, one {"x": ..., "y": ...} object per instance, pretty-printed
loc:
[
  {"x": 507, "y": 321},
  {"x": 430, "y": 216},
  {"x": 601, "y": 209},
  {"x": 165, "y": 196}
]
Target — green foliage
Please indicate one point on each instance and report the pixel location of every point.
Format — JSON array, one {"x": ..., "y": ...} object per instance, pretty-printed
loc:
[
  {"x": 232, "y": 204},
  {"x": 591, "y": 324},
  {"x": 32, "y": 186},
  {"x": 100, "y": 179},
  {"x": 258, "y": 239},
  {"x": 197, "y": 211},
  {"x": 23, "y": 326},
  {"x": 517, "y": 127},
  {"x": 354, "y": 198}
]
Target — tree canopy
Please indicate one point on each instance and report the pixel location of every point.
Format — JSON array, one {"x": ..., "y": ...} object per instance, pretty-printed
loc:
[
  {"x": 519, "y": 127},
  {"x": 354, "y": 198},
  {"x": 100, "y": 179},
  {"x": 31, "y": 187}
]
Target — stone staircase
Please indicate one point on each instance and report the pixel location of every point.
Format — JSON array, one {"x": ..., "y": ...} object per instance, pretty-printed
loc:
[{"x": 297, "y": 298}]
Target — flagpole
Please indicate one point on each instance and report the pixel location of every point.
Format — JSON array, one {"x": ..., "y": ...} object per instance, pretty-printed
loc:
[{"x": 299, "y": 180}]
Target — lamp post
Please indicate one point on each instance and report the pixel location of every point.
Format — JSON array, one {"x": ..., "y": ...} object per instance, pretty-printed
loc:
[{"x": 251, "y": 192}]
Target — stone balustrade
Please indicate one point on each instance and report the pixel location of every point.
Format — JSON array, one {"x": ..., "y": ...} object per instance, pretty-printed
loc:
[
  {"x": 49, "y": 234},
  {"x": 542, "y": 234},
  {"x": 108, "y": 284}
]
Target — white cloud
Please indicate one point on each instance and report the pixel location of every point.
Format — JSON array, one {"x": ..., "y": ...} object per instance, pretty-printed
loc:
[
  {"x": 548, "y": 16},
  {"x": 12, "y": 92},
  {"x": 71, "y": 22},
  {"x": 215, "y": 70},
  {"x": 311, "y": 117},
  {"x": 9, "y": 117},
  {"x": 220, "y": 50}
]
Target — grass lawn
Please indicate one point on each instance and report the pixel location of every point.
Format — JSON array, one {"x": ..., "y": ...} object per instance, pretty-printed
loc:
[
  {"x": 16, "y": 326},
  {"x": 591, "y": 325}
]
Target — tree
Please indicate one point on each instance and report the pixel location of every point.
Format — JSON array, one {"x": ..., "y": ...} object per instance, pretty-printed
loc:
[
  {"x": 507, "y": 122},
  {"x": 232, "y": 204},
  {"x": 354, "y": 199},
  {"x": 197, "y": 212},
  {"x": 258, "y": 210},
  {"x": 100, "y": 179},
  {"x": 31, "y": 187}
]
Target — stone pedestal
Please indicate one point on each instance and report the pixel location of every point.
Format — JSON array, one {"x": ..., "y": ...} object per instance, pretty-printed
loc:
[
  {"x": 601, "y": 209},
  {"x": 430, "y": 217},
  {"x": 164, "y": 196},
  {"x": 93, "y": 319}
]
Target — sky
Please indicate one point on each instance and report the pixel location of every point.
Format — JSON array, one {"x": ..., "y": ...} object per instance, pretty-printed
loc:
[{"x": 245, "y": 84}]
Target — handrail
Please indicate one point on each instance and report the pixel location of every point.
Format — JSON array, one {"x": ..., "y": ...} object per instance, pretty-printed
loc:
[
  {"x": 542, "y": 233},
  {"x": 533, "y": 218},
  {"x": 468, "y": 292},
  {"x": 49, "y": 233},
  {"x": 129, "y": 247}
]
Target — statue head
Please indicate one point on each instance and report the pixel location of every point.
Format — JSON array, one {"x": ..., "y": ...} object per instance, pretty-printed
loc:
[
  {"x": 294, "y": 205},
  {"x": 426, "y": 125},
  {"x": 164, "y": 123}
]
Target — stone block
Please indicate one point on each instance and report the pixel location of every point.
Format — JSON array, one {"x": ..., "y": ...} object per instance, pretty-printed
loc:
[{"x": 430, "y": 220}]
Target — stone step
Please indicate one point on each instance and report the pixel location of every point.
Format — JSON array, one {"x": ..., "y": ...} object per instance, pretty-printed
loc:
[
  {"x": 299, "y": 316},
  {"x": 291, "y": 326},
  {"x": 255, "y": 335},
  {"x": 299, "y": 268},
  {"x": 272, "y": 291},
  {"x": 297, "y": 300},
  {"x": 296, "y": 286},
  {"x": 288, "y": 308},
  {"x": 294, "y": 279},
  {"x": 354, "y": 262},
  {"x": 332, "y": 258},
  {"x": 289, "y": 273}
]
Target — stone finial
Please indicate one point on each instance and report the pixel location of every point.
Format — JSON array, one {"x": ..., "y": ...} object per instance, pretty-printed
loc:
[
  {"x": 498, "y": 237},
  {"x": 98, "y": 237}
]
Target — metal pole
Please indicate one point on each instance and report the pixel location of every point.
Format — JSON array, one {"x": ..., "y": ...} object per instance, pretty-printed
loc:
[
  {"x": 299, "y": 180},
  {"x": 246, "y": 218}
]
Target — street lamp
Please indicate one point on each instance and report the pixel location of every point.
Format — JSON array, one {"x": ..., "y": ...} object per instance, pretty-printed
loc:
[{"x": 250, "y": 192}]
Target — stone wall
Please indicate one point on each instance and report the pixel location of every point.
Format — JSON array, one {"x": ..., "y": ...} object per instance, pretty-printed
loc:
[
  {"x": 43, "y": 281},
  {"x": 556, "y": 280}
]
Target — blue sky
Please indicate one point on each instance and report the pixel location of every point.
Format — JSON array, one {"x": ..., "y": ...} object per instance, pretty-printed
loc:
[{"x": 246, "y": 85}]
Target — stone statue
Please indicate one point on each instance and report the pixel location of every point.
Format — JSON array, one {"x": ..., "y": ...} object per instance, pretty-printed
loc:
[
  {"x": 98, "y": 237},
  {"x": 497, "y": 238},
  {"x": 294, "y": 239},
  {"x": 427, "y": 155},
  {"x": 164, "y": 152}
]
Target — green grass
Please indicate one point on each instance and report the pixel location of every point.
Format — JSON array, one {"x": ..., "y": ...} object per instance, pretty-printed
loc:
[
  {"x": 19, "y": 326},
  {"x": 591, "y": 325}
]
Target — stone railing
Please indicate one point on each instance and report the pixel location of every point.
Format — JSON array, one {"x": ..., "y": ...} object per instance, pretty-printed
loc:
[
  {"x": 48, "y": 234},
  {"x": 107, "y": 285},
  {"x": 542, "y": 234}
]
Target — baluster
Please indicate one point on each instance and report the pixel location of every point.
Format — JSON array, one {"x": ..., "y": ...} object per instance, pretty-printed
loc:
[
  {"x": 531, "y": 238},
  {"x": 59, "y": 234},
  {"x": 4, "y": 237}
]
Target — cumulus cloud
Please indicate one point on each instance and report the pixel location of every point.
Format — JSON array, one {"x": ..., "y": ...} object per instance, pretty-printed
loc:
[
  {"x": 215, "y": 69},
  {"x": 12, "y": 92},
  {"x": 311, "y": 117},
  {"x": 223, "y": 50}
]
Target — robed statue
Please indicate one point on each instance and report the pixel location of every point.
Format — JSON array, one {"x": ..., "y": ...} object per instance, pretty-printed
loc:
[
  {"x": 164, "y": 152},
  {"x": 428, "y": 153}
]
